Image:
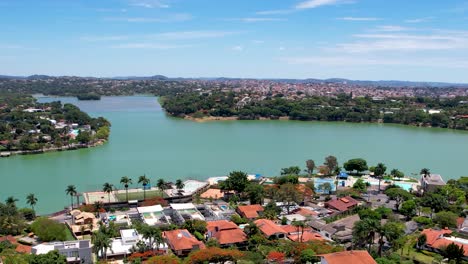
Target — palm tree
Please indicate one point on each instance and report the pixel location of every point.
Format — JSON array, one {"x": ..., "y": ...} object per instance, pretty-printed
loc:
[
  {"x": 144, "y": 181},
  {"x": 364, "y": 232},
  {"x": 379, "y": 172},
  {"x": 82, "y": 231},
  {"x": 179, "y": 184},
  {"x": 101, "y": 243},
  {"x": 97, "y": 206},
  {"x": 108, "y": 188},
  {"x": 251, "y": 229},
  {"x": 71, "y": 190},
  {"x": 126, "y": 181},
  {"x": 153, "y": 234},
  {"x": 425, "y": 172},
  {"x": 300, "y": 226},
  {"x": 310, "y": 164},
  {"x": 31, "y": 200},
  {"x": 11, "y": 201},
  {"x": 161, "y": 184}
]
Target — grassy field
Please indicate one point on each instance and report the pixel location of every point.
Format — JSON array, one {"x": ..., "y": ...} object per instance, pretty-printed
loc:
[
  {"x": 69, "y": 234},
  {"x": 422, "y": 256},
  {"x": 138, "y": 195}
]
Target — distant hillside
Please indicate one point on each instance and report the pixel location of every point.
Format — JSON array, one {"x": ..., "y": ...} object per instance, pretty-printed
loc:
[
  {"x": 383, "y": 83},
  {"x": 138, "y": 78}
]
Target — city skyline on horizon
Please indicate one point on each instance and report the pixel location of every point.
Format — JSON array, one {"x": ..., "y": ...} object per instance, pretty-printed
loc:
[{"x": 422, "y": 41}]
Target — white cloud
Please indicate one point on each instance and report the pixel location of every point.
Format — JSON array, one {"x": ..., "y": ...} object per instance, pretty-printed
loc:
[
  {"x": 342, "y": 61},
  {"x": 149, "y": 4},
  {"x": 201, "y": 34},
  {"x": 274, "y": 12},
  {"x": 256, "y": 41},
  {"x": 103, "y": 38},
  {"x": 167, "y": 19},
  {"x": 309, "y": 4},
  {"x": 281, "y": 48},
  {"x": 359, "y": 18},
  {"x": 391, "y": 28},
  {"x": 148, "y": 46},
  {"x": 238, "y": 48},
  {"x": 318, "y": 3},
  {"x": 256, "y": 19},
  {"x": 419, "y": 20},
  {"x": 405, "y": 42}
]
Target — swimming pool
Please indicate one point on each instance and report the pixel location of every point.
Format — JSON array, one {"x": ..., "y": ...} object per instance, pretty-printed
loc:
[
  {"x": 319, "y": 181},
  {"x": 404, "y": 185}
]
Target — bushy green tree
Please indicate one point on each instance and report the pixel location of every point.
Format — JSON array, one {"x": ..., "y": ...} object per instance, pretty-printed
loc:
[
  {"x": 408, "y": 208},
  {"x": 293, "y": 170},
  {"x": 358, "y": 165},
  {"x": 360, "y": 186},
  {"x": 49, "y": 230},
  {"x": 237, "y": 181},
  {"x": 256, "y": 193},
  {"x": 50, "y": 257},
  {"x": 398, "y": 195},
  {"x": 195, "y": 226},
  {"x": 446, "y": 219}
]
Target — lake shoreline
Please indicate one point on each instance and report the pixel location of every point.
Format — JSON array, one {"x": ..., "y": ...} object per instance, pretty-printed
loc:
[
  {"x": 287, "y": 118},
  {"x": 7, "y": 154}
]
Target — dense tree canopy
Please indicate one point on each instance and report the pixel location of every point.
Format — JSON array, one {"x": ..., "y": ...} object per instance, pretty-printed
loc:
[{"x": 358, "y": 165}]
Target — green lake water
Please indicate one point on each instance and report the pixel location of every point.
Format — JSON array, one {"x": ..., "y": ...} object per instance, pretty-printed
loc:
[{"x": 146, "y": 141}]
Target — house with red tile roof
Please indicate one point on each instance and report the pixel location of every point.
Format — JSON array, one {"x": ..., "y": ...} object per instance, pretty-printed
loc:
[
  {"x": 182, "y": 242},
  {"x": 348, "y": 257},
  {"x": 226, "y": 233},
  {"x": 20, "y": 248},
  {"x": 290, "y": 229},
  {"x": 270, "y": 229},
  {"x": 307, "y": 236},
  {"x": 250, "y": 212},
  {"x": 302, "y": 235},
  {"x": 305, "y": 212},
  {"x": 342, "y": 204},
  {"x": 436, "y": 240}
]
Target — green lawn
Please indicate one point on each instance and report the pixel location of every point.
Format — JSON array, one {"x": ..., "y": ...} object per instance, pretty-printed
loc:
[
  {"x": 138, "y": 195},
  {"x": 69, "y": 234},
  {"x": 422, "y": 256}
]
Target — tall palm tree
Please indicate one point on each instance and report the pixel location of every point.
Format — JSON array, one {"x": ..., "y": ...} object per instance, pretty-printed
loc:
[
  {"x": 101, "y": 243},
  {"x": 71, "y": 190},
  {"x": 161, "y": 184},
  {"x": 299, "y": 226},
  {"x": 310, "y": 164},
  {"x": 179, "y": 184},
  {"x": 108, "y": 188},
  {"x": 153, "y": 234},
  {"x": 144, "y": 181},
  {"x": 11, "y": 201},
  {"x": 379, "y": 172},
  {"x": 97, "y": 207},
  {"x": 364, "y": 232},
  {"x": 31, "y": 200},
  {"x": 126, "y": 181},
  {"x": 82, "y": 231}
]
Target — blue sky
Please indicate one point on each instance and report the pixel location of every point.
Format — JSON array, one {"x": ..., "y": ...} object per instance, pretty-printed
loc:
[{"x": 419, "y": 40}]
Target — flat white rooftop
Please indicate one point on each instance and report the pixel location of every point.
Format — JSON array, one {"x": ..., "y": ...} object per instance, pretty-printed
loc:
[
  {"x": 182, "y": 206},
  {"x": 150, "y": 209}
]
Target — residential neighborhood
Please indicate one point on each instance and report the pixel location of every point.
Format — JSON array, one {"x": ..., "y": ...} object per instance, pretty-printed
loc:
[{"x": 184, "y": 218}]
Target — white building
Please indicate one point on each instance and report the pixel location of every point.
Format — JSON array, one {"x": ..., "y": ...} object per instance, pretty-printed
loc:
[
  {"x": 153, "y": 215},
  {"x": 75, "y": 251},
  {"x": 121, "y": 247}
]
